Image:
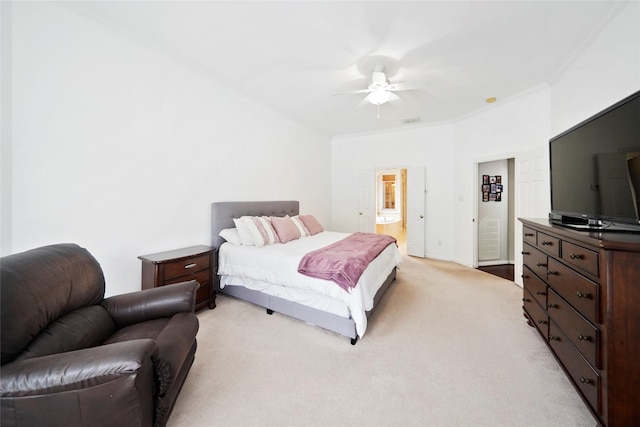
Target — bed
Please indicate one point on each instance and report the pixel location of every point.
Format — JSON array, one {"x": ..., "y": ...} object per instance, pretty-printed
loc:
[{"x": 316, "y": 301}]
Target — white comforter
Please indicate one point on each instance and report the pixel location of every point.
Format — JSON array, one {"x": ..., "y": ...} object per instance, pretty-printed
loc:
[{"x": 278, "y": 265}]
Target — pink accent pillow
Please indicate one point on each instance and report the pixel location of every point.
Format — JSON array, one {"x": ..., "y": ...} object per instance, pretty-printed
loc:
[
  {"x": 312, "y": 224},
  {"x": 285, "y": 228}
]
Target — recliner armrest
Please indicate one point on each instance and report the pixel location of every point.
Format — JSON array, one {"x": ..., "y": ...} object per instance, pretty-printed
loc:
[
  {"x": 75, "y": 370},
  {"x": 149, "y": 304}
]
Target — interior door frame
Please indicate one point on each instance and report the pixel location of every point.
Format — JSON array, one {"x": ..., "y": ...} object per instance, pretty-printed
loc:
[{"x": 476, "y": 203}]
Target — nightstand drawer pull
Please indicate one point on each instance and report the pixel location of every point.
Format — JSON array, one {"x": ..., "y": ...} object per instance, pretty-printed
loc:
[
  {"x": 582, "y": 295},
  {"x": 585, "y": 380},
  {"x": 541, "y": 264},
  {"x": 549, "y": 305},
  {"x": 193, "y": 264},
  {"x": 576, "y": 256},
  {"x": 552, "y": 273},
  {"x": 541, "y": 293},
  {"x": 547, "y": 243}
]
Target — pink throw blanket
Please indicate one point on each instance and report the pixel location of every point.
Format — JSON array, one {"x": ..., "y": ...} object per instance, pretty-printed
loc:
[{"x": 344, "y": 261}]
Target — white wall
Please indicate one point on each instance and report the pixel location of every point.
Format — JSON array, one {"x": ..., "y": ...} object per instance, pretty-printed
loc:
[
  {"x": 121, "y": 149},
  {"x": 607, "y": 71},
  {"x": 428, "y": 147}
]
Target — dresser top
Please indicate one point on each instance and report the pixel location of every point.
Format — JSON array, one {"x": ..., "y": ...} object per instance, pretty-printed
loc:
[{"x": 612, "y": 240}]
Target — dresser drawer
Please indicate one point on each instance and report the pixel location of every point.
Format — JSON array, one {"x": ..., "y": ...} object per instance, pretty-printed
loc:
[
  {"x": 582, "y": 258},
  {"x": 579, "y": 291},
  {"x": 535, "y": 259},
  {"x": 548, "y": 244},
  {"x": 529, "y": 235},
  {"x": 185, "y": 267},
  {"x": 583, "y": 375},
  {"x": 584, "y": 336},
  {"x": 203, "y": 277},
  {"x": 535, "y": 286},
  {"x": 536, "y": 313}
]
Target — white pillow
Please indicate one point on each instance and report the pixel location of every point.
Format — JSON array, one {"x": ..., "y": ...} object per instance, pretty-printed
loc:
[
  {"x": 231, "y": 235},
  {"x": 245, "y": 235}
]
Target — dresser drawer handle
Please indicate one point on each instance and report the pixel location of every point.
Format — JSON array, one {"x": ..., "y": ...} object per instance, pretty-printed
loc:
[
  {"x": 542, "y": 321},
  {"x": 585, "y": 380},
  {"x": 581, "y": 295},
  {"x": 541, "y": 264},
  {"x": 583, "y": 337},
  {"x": 529, "y": 234},
  {"x": 526, "y": 253},
  {"x": 552, "y": 305},
  {"x": 553, "y": 338},
  {"x": 546, "y": 243},
  {"x": 541, "y": 293},
  {"x": 524, "y": 276},
  {"x": 193, "y": 264},
  {"x": 576, "y": 256},
  {"x": 553, "y": 273}
]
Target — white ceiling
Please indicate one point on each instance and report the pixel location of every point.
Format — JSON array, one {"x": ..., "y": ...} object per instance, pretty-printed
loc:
[{"x": 293, "y": 56}]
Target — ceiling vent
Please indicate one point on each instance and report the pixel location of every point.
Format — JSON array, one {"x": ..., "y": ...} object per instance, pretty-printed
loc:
[{"x": 411, "y": 120}]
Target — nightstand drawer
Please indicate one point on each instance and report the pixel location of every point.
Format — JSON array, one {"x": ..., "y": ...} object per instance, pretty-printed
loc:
[
  {"x": 186, "y": 267},
  {"x": 180, "y": 265}
]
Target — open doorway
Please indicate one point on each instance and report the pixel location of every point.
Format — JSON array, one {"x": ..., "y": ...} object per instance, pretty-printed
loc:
[
  {"x": 391, "y": 204},
  {"x": 495, "y": 213}
]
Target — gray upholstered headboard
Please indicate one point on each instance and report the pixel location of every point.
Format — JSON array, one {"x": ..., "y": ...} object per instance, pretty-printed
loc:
[{"x": 222, "y": 214}]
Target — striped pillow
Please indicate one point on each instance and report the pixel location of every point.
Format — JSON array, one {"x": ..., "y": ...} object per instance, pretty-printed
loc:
[
  {"x": 297, "y": 221},
  {"x": 256, "y": 229}
]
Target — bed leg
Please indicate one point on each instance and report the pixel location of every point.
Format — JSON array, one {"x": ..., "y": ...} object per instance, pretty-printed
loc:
[
  {"x": 354, "y": 341},
  {"x": 269, "y": 311}
]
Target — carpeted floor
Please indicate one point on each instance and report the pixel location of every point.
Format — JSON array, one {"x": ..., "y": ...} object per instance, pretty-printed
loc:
[{"x": 447, "y": 346}]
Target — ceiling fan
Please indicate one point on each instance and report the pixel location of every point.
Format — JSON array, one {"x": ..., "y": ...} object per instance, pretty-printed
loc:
[{"x": 380, "y": 90}]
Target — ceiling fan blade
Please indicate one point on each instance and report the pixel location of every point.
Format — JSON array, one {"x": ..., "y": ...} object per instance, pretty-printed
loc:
[
  {"x": 402, "y": 86},
  {"x": 352, "y": 92}
]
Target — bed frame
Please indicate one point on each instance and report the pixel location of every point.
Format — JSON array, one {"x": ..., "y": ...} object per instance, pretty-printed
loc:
[{"x": 222, "y": 214}]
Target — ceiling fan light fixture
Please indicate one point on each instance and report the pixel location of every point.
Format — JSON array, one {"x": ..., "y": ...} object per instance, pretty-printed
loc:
[{"x": 379, "y": 96}]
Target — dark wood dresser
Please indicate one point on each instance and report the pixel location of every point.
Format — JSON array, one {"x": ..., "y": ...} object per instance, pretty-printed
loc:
[
  {"x": 180, "y": 265},
  {"x": 582, "y": 293}
]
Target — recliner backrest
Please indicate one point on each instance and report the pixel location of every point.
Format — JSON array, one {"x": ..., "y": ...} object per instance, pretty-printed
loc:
[{"x": 40, "y": 286}]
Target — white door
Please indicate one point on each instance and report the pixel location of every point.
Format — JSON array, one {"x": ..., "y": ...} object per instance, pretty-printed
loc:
[
  {"x": 416, "y": 197},
  {"x": 366, "y": 201},
  {"x": 532, "y": 196}
]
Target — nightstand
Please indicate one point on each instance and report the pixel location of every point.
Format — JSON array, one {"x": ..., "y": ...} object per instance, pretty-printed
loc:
[{"x": 180, "y": 265}]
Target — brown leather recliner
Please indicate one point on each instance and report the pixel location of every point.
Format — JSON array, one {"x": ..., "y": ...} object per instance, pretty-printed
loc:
[{"x": 70, "y": 357}]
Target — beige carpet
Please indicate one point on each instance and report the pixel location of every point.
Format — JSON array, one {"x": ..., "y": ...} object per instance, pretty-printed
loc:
[{"x": 447, "y": 346}]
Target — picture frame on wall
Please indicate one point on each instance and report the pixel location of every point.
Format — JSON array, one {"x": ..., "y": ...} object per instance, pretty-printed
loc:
[{"x": 492, "y": 188}]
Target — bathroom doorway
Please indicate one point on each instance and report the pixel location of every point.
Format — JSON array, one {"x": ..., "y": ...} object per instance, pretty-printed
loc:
[{"x": 391, "y": 204}]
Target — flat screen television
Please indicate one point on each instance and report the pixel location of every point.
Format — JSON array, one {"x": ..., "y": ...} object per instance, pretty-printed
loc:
[{"x": 595, "y": 171}]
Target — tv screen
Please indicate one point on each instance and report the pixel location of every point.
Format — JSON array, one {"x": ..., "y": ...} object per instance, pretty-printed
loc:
[{"x": 595, "y": 169}]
